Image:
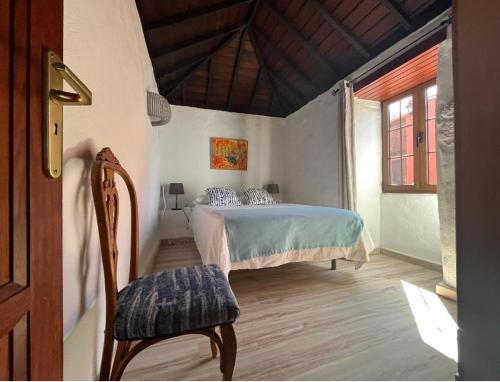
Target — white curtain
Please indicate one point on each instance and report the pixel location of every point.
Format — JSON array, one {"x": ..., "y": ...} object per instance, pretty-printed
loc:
[
  {"x": 446, "y": 161},
  {"x": 347, "y": 157}
]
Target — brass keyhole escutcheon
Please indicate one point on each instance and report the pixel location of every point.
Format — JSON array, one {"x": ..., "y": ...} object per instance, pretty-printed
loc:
[{"x": 54, "y": 100}]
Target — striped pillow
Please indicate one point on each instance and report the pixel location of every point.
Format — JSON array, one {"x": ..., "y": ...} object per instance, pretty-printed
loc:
[
  {"x": 222, "y": 196},
  {"x": 255, "y": 196}
]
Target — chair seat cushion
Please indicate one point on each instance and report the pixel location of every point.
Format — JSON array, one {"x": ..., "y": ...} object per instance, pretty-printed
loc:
[{"x": 174, "y": 301}]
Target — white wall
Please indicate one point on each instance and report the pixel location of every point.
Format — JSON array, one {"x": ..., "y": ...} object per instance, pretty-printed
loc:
[
  {"x": 410, "y": 225},
  {"x": 311, "y": 157},
  {"x": 104, "y": 45},
  {"x": 404, "y": 223},
  {"x": 368, "y": 125},
  {"x": 185, "y": 155}
]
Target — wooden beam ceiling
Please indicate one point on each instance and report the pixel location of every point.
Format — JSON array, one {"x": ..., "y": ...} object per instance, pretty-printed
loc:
[
  {"x": 198, "y": 40},
  {"x": 194, "y": 14},
  {"x": 202, "y": 58},
  {"x": 254, "y": 90},
  {"x": 172, "y": 70},
  {"x": 236, "y": 69},
  {"x": 210, "y": 80},
  {"x": 277, "y": 50},
  {"x": 263, "y": 70},
  {"x": 327, "y": 66},
  {"x": 180, "y": 80},
  {"x": 398, "y": 13},
  {"x": 335, "y": 24}
]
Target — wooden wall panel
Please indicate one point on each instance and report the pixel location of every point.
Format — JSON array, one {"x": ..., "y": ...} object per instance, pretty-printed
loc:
[{"x": 416, "y": 71}]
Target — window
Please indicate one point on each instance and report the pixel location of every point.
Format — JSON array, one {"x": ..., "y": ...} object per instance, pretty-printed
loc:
[{"x": 409, "y": 141}]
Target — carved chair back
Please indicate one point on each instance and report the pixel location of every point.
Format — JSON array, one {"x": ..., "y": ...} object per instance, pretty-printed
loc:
[{"x": 106, "y": 203}]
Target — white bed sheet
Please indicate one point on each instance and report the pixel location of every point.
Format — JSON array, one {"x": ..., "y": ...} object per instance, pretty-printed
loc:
[{"x": 210, "y": 236}]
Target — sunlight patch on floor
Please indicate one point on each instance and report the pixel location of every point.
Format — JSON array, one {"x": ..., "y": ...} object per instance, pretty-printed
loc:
[{"x": 436, "y": 326}]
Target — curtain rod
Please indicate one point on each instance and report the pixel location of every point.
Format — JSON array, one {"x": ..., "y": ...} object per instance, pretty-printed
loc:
[{"x": 443, "y": 24}]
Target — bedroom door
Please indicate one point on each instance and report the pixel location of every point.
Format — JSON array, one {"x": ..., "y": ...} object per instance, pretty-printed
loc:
[
  {"x": 477, "y": 127},
  {"x": 30, "y": 202}
]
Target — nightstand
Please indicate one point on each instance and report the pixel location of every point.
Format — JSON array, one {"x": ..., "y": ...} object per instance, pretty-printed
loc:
[{"x": 174, "y": 224}]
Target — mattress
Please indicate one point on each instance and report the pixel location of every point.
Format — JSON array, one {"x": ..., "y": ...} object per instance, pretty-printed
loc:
[{"x": 281, "y": 233}]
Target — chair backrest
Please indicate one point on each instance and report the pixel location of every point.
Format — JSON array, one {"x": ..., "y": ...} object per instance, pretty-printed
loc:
[{"x": 106, "y": 204}]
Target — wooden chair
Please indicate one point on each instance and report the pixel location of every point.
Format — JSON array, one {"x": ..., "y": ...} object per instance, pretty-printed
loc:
[{"x": 155, "y": 307}]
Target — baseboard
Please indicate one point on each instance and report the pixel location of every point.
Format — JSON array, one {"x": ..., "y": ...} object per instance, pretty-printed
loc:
[
  {"x": 412, "y": 260},
  {"x": 446, "y": 291}
]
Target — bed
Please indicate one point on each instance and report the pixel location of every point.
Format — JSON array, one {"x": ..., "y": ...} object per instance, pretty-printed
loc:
[{"x": 261, "y": 236}]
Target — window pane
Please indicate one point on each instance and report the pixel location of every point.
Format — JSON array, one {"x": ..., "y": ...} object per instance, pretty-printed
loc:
[
  {"x": 430, "y": 97},
  {"x": 394, "y": 114},
  {"x": 395, "y": 171},
  {"x": 431, "y": 135},
  {"x": 407, "y": 140},
  {"x": 407, "y": 111},
  {"x": 395, "y": 143},
  {"x": 408, "y": 171},
  {"x": 430, "y": 112},
  {"x": 431, "y": 168}
]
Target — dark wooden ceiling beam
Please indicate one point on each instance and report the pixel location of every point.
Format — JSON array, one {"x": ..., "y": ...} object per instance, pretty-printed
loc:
[
  {"x": 335, "y": 24},
  {"x": 210, "y": 81},
  {"x": 284, "y": 84},
  {"x": 254, "y": 91},
  {"x": 170, "y": 87},
  {"x": 263, "y": 69},
  {"x": 253, "y": 12},
  {"x": 398, "y": 13},
  {"x": 283, "y": 57},
  {"x": 236, "y": 68},
  {"x": 193, "y": 14},
  {"x": 198, "y": 40},
  {"x": 305, "y": 43},
  {"x": 180, "y": 66}
]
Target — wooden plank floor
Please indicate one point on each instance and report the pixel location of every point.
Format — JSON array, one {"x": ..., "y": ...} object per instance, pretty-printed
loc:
[{"x": 303, "y": 321}]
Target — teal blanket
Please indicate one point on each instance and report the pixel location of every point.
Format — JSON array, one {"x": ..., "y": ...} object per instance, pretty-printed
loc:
[{"x": 264, "y": 231}]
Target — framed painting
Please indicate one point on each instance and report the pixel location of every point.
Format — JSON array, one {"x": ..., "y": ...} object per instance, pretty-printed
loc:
[{"x": 228, "y": 154}]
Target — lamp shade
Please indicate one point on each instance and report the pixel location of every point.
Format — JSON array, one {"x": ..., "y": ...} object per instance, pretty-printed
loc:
[
  {"x": 273, "y": 188},
  {"x": 176, "y": 189}
]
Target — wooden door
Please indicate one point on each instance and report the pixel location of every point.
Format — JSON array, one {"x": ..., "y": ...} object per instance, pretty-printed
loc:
[
  {"x": 30, "y": 203},
  {"x": 476, "y": 53}
]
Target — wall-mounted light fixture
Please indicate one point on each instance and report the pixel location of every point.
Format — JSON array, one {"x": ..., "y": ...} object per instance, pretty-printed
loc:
[{"x": 158, "y": 109}]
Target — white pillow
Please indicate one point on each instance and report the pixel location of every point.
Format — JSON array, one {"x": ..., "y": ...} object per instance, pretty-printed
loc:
[{"x": 201, "y": 199}]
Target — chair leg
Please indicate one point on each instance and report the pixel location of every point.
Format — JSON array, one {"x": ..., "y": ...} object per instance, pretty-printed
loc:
[
  {"x": 121, "y": 352},
  {"x": 107, "y": 355},
  {"x": 228, "y": 356},
  {"x": 213, "y": 346}
]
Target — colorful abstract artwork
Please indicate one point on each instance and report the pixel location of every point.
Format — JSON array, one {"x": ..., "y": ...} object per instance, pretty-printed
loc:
[{"x": 228, "y": 154}]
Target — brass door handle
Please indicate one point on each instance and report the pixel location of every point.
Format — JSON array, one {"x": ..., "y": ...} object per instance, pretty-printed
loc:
[{"x": 54, "y": 100}]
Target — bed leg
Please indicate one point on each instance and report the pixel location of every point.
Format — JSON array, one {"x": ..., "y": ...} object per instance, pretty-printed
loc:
[{"x": 334, "y": 264}]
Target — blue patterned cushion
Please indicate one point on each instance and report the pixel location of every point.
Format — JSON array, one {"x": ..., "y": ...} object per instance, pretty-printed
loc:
[
  {"x": 222, "y": 196},
  {"x": 255, "y": 196},
  {"x": 175, "y": 301}
]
